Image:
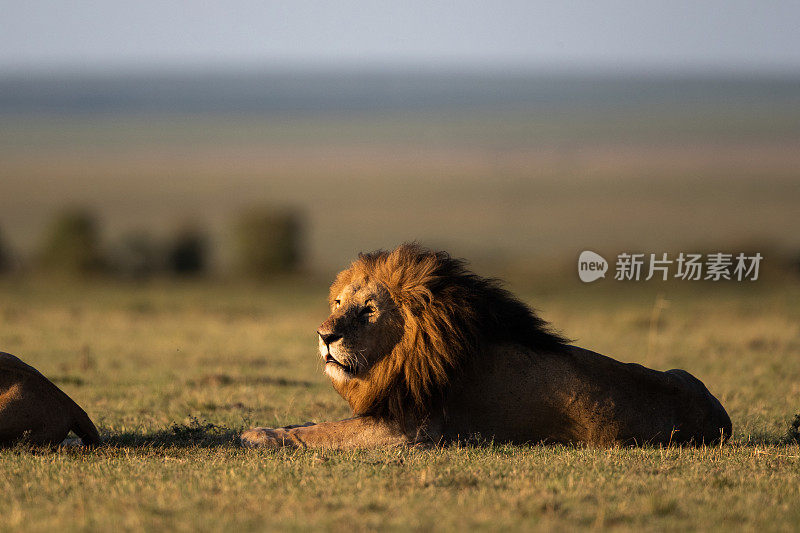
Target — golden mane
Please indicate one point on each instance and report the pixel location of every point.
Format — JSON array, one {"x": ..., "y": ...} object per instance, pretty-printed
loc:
[{"x": 449, "y": 314}]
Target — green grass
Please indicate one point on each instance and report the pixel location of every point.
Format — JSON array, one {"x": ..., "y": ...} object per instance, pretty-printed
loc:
[{"x": 170, "y": 372}]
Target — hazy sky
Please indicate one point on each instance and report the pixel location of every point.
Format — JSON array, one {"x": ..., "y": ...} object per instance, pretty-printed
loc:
[{"x": 671, "y": 35}]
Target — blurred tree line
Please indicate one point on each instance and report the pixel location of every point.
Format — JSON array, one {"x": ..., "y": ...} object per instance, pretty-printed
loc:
[{"x": 268, "y": 241}]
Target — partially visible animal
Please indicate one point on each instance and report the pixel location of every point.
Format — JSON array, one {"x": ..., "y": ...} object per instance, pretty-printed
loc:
[
  {"x": 425, "y": 351},
  {"x": 34, "y": 410}
]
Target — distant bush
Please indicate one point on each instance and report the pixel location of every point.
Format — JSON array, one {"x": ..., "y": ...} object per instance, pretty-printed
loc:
[
  {"x": 187, "y": 254},
  {"x": 268, "y": 241},
  {"x": 137, "y": 256},
  {"x": 72, "y": 244}
]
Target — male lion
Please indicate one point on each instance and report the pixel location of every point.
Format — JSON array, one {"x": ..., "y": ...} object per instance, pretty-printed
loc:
[
  {"x": 32, "y": 408},
  {"x": 425, "y": 351}
]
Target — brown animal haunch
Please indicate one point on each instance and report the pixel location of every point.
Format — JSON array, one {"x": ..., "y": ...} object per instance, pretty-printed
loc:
[{"x": 32, "y": 408}]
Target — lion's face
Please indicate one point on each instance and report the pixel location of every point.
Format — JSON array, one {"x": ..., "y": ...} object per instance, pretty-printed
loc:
[{"x": 364, "y": 325}]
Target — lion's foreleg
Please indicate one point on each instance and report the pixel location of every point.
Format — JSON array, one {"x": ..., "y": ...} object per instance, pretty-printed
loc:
[{"x": 358, "y": 432}]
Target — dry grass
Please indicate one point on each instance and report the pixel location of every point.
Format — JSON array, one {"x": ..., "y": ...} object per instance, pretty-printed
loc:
[{"x": 170, "y": 373}]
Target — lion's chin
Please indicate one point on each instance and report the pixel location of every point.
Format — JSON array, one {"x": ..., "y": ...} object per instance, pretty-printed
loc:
[
  {"x": 337, "y": 373},
  {"x": 337, "y": 370}
]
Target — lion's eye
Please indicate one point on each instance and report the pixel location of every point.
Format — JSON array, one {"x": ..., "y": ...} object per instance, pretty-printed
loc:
[{"x": 337, "y": 303}]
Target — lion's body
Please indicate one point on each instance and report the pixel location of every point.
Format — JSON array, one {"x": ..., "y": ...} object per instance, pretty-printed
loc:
[
  {"x": 34, "y": 409},
  {"x": 578, "y": 396},
  {"x": 425, "y": 351}
]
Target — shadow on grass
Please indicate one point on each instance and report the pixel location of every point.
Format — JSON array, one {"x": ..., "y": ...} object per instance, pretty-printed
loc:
[
  {"x": 195, "y": 434},
  {"x": 203, "y": 434},
  {"x": 219, "y": 380}
]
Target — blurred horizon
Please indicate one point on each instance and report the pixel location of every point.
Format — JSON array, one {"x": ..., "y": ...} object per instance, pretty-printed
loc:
[
  {"x": 377, "y": 89},
  {"x": 506, "y": 168},
  {"x": 510, "y": 132}
]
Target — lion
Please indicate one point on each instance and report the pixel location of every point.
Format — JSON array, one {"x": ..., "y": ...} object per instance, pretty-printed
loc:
[
  {"x": 34, "y": 410},
  {"x": 425, "y": 351}
]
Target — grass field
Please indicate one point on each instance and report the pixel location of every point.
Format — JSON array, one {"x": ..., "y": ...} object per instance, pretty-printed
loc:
[{"x": 170, "y": 372}]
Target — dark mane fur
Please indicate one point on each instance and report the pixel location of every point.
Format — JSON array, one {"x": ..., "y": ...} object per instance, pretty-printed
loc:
[{"x": 449, "y": 315}]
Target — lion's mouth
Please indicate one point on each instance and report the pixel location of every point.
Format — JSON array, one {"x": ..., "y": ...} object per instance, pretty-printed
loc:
[{"x": 329, "y": 359}]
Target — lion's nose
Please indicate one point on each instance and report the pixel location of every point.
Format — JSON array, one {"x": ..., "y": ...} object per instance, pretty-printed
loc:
[{"x": 328, "y": 338}]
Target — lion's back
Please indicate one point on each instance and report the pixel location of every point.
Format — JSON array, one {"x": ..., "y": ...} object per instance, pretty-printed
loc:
[{"x": 578, "y": 396}]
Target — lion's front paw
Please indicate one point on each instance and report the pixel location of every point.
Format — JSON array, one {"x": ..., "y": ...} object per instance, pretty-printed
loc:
[{"x": 263, "y": 438}]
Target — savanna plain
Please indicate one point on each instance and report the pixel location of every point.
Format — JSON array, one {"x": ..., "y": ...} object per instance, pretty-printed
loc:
[{"x": 171, "y": 370}]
